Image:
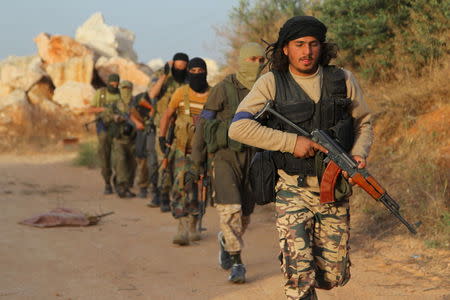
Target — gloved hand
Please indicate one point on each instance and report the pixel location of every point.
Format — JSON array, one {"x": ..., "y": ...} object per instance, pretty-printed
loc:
[
  {"x": 162, "y": 144},
  {"x": 166, "y": 68}
]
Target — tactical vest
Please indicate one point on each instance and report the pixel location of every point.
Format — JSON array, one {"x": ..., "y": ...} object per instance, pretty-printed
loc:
[
  {"x": 184, "y": 124},
  {"x": 216, "y": 131},
  {"x": 166, "y": 93},
  {"x": 330, "y": 113}
]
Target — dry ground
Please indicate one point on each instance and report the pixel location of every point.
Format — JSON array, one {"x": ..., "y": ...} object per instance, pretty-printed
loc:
[{"x": 129, "y": 254}]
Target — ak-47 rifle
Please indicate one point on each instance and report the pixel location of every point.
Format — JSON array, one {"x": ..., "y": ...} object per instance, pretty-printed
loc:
[
  {"x": 86, "y": 125},
  {"x": 169, "y": 140},
  {"x": 203, "y": 187},
  {"x": 338, "y": 160}
]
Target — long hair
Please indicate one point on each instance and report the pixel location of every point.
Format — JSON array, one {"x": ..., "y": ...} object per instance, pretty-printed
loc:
[{"x": 280, "y": 62}]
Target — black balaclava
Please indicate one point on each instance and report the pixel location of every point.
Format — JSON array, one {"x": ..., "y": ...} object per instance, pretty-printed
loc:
[
  {"x": 301, "y": 26},
  {"x": 197, "y": 82},
  {"x": 113, "y": 78},
  {"x": 179, "y": 75}
]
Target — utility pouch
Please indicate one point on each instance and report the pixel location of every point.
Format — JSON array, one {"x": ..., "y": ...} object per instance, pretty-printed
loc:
[{"x": 263, "y": 175}]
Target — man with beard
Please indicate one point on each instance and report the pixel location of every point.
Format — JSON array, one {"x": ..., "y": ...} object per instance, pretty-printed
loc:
[
  {"x": 311, "y": 93},
  {"x": 174, "y": 76},
  {"x": 186, "y": 104},
  {"x": 104, "y": 99},
  {"x": 231, "y": 159}
]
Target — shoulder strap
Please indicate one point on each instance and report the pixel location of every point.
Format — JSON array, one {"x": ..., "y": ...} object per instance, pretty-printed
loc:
[
  {"x": 232, "y": 95},
  {"x": 102, "y": 99},
  {"x": 187, "y": 106}
]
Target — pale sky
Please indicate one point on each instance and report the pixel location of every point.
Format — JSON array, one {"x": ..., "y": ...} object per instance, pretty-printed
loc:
[{"x": 161, "y": 27}]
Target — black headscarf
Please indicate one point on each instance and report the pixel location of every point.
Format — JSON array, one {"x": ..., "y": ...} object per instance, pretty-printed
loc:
[
  {"x": 198, "y": 82},
  {"x": 113, "y": 78},
  {"x": 179, "y": 74},
  {"x": 301, "y": 26}
]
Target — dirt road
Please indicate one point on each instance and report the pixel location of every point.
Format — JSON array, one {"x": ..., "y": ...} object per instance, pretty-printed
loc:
[{"x": 129, "y": 254}]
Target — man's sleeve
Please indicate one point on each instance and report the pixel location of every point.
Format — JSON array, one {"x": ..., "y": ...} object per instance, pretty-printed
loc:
[
  {"x": 246, "y": 130},
  {"x": 362, "y": 117},
  {"x": 213, "y": 104},
  {"x": 95, "y": 99},
  {"x": 176, "y": 98}
]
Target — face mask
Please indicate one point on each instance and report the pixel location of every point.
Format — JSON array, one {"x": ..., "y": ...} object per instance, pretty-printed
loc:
[
  {"x": 198, "y": 82},
  {"x": 112, "y": 89},
  {"x": 248, "y": 73},
  {"x": 179, "y": 75},
  {"x": 125, "y": 94}
]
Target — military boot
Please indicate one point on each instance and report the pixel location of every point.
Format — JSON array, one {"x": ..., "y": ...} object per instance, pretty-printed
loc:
[
  {"x": 225, "y": 261},
  {"x": 194, "y": 234},
  {"x": 124, "y": 192},
  {"x": 142, "y": 193},
  {"x": 237, "y": 274},
  {"x": 165, "y": 203},
  {"x": 182, "y": 236},
  {"x": 156, "y": 201},
  {"x": 108, "y": 189}
]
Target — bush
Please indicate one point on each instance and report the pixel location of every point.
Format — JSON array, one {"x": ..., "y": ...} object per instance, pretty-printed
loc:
[{"x": 87, "y": 155}]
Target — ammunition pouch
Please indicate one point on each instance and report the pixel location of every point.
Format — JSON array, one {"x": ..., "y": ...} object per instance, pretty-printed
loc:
[{"x": 263, "y": 177}]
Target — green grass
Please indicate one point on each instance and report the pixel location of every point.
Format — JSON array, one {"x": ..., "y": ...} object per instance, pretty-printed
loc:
[{"x": 87, "y": 155}]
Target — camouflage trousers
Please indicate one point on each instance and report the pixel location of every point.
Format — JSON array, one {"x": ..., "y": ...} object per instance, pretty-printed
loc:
[
  {"x": 104, "y": 155},
  {"x": 184, "y": 194},
  {"x": 124, "y": 163},
  {"x": 147, "y": 164},
  {"x": 233, "y": 225},
  {"x": 165, "y": 176},
  {"x": 313, "y": 241}
]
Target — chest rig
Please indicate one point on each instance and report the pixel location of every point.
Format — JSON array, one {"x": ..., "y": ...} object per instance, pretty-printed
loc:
[{"x": 330, "y": 113}]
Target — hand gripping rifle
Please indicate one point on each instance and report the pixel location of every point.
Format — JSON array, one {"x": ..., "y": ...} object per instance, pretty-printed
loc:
[{"x": 339, "y": 160}]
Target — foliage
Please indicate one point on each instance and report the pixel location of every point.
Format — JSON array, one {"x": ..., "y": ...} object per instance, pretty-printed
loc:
[
  {"x": 87, "y": 155},
  {"x": 254, "y": 21},
  {"x": 380, "y": 38}
]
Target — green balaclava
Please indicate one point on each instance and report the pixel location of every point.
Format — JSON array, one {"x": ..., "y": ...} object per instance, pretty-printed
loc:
[
  {"x": 126, "y": 90},
  {"x": 248, "y": 71}
]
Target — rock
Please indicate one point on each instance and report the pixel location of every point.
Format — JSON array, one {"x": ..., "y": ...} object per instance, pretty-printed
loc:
[
  {"x": 21, "y": 72},
  {"x": 127, "y": 70},
  {"x": 5, "y": 90},
  {"x": 65, "y": 59},
  {"x": 106, "y": 40},
  {"x": 74, "y": 94},
  {"x": 156, "y": 63},
  {"x": 79, "y": 69},
  {"x": 41, "y": 93},
  {"x": 59, "y": 48},
  {"x": 15, "y": 108}
]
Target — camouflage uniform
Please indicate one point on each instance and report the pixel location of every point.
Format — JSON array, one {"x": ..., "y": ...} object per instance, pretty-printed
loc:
[
  {"x": 124, "y": 162},
  {"x": 147, "y": 163},
  {"x": 233, "y": 225},
  {"x": 322, "y": 261},
  {"x": 165, "y": 176},
  {"x": 103, "y": 98}
]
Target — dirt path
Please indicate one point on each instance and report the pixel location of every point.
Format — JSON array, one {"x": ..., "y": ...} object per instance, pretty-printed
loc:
[{"x": 129, "y": 255}]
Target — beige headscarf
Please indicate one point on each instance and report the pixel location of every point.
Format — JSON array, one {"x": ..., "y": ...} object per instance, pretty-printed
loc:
[{"x": 248, "y": 72}]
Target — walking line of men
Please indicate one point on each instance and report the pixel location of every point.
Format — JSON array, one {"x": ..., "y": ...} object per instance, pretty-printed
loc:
[
  {"x": 174, "y": 135},
  {"x": 182, "y": 131}
]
